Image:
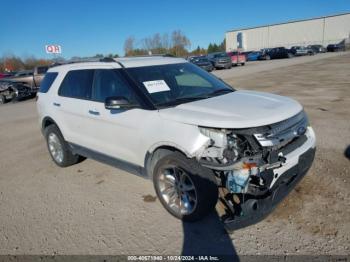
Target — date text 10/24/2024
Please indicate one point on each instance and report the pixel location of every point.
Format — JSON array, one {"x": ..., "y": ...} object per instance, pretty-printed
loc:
[{"x": 173, "y": 258}]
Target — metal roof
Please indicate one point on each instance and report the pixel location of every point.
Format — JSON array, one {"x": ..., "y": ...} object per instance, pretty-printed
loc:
[
  {"x": 288, "y": 22},
  {"x": 126, "y": 62},
  {"x": 148, "y": 61}
]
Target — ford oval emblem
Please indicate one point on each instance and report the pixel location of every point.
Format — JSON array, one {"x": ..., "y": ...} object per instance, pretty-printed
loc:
[{"x": 301, "y": 130}]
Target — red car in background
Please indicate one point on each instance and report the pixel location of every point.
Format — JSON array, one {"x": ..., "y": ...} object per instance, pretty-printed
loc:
[
  {"x": 4, "y": 75},
  {"x": 237, "y": 58}
]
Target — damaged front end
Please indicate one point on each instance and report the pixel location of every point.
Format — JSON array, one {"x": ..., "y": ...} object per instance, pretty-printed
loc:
[{"x": 257, "y": 167}]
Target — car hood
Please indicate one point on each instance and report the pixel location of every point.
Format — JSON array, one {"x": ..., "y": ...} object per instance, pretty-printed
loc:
[{"x": 239, "y": 109}]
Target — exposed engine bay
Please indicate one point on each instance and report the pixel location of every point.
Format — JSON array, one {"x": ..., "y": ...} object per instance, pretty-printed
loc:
[{"x": 244, "y": 159}]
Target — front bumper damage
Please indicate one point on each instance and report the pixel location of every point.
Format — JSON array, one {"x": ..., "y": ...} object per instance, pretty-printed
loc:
[
  {"x": 298, "y": 161},
  {"x": 253, "y": 210},
  {"x": 251, "y": 185}
]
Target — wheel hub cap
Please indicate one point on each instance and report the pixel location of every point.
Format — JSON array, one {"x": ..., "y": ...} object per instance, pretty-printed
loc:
[
  {"x": 177, "y": 190},
  {"x": 55, "y": 147}
]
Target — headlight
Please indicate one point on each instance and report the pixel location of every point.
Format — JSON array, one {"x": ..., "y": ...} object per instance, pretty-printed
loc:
[{"x": 218, "y": 136}]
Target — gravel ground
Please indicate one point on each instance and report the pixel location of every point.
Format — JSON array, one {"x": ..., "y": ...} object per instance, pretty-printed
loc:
[{"x": 92, "y": 208}]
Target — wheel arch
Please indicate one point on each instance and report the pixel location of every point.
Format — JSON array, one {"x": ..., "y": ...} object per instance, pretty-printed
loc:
[
  {"x": 47, "y": 121},
  {"x": 158, "y": 151}
]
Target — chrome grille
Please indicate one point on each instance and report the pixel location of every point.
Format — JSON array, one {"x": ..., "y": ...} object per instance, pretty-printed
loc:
[{"x": 283, "y": 132}]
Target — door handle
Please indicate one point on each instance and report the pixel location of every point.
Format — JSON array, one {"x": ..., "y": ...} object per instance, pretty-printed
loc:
[
  {"x": 57, "y": 104},
  {"x": 95, "y": 113}
]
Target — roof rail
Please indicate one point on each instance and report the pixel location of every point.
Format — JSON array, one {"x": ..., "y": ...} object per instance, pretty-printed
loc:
[
  {"x": 103, "y": 59},
  {"x": 162, "y": 55},
  {"x": 84, "y": 60},
  {"x": 107, "y": 59}
]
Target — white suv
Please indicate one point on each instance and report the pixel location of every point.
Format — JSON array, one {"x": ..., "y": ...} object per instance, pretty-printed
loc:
[{"x": 196, "y": 137}]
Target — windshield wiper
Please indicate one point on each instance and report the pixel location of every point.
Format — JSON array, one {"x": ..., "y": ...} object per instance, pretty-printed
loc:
[
  {"x": 181, "y": 100},
  {"x": 219, "y": 92},
  {"x": 186, "y": 99}
]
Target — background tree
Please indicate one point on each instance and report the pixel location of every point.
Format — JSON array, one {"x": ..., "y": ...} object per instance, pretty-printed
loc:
[
  {"x": 98, "y": 56},
  {"x": 217, "y": 48},
  {"x": 129, "y": 45},
  {"x": 179, "y": 43},
  {"x": 223, "y": 46},
  {"x": 12, "y": 63}
]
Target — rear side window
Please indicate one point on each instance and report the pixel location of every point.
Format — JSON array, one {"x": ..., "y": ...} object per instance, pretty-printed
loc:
[
  {"x": 47, "y": 82},
  {"x": 77, "y": 84}
]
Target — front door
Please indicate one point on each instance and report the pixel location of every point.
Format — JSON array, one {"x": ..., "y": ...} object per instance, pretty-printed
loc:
[{"x": 116, "y": 133}]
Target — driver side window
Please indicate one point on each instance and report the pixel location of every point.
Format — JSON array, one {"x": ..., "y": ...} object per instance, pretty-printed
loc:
[{"x": 108, "y": 83}]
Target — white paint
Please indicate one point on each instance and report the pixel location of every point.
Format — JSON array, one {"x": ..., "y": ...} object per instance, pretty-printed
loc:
[
  {"x": 292, "y": 158},
  {"x": 130, "y": 134},
  {"x": 240, "y": 109}
]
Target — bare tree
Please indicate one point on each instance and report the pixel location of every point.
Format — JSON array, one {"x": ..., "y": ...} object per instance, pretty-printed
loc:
[
  {"x": 129, "y": 45},
  {"x": 179, "y": 43},
  {"x": 165, "y": 41}
]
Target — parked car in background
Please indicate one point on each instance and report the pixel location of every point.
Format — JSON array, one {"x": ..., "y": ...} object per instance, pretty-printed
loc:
[
  {"x": 23, "y": 73},
  {"x": 335, "y": 47},
  {"x": 4, "y": 75},
  {"x": 220, "y": 60},
  {"x": 279, "y": 52},
  {"x": 237, "y": 58},
  {"x": 203, "y": 62},
  {"x": 254, "y": 56},
  {"x": 301, "y": 50},
  {"x": 31, "y": 79},
  {"x": 317, "y": 48},
  {"x": 10, "y": 90},
  {"x": 264, "y": 54}
]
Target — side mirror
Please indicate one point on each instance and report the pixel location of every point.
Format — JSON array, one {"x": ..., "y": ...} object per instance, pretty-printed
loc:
[{"x": 118, "y": 102}]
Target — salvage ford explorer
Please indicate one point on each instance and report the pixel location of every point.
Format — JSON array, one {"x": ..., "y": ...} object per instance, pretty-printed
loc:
[{"x": 198, "y": 139}]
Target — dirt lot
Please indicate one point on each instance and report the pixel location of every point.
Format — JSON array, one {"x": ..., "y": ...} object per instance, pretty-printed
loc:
[{"x": 92, "y": 208}]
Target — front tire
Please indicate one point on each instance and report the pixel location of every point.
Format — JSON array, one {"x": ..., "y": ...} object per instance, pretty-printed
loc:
[
  {"x": 187, "y": 190},
  {"x": 58, "y": 148}
]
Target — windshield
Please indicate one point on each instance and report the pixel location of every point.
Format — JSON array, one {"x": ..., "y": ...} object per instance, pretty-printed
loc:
[
  {"x": 201, "y": 60},
  {"x": 174, "y": 84},
  {"x": 221, "y": 55}
]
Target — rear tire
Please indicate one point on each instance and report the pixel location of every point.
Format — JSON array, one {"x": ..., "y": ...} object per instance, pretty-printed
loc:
[
  {"x": 186, "y": 190},
  {"x": 59, "y": 149}
]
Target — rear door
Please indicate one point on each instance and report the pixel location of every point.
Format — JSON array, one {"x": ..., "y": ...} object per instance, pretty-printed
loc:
[{"x": 72, "y": 105}]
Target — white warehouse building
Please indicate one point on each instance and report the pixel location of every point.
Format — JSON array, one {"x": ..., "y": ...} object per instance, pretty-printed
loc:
[{"x": 323, "y": 30}]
